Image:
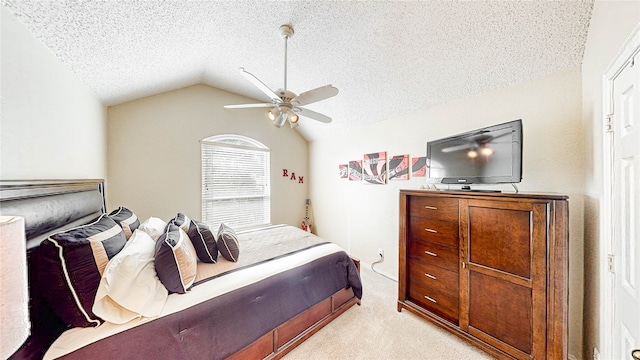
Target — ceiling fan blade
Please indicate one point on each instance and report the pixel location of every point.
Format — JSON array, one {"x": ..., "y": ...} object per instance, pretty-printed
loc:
[
  {"x": 315, "y": 95},
  {"x": 260, "y": 85},
  {"x": 312, "y": 115},
  {"x": 246, "y": 106}
]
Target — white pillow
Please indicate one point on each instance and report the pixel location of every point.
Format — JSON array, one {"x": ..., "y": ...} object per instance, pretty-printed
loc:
[
  {"x": 154, "y": 227},
  {"x": 130, "y": 287}
]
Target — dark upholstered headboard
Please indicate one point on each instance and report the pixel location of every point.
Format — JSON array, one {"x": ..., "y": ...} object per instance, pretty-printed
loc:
[
  {"x": 51, "y": 205},
  {"x": 48, "y": 206}
]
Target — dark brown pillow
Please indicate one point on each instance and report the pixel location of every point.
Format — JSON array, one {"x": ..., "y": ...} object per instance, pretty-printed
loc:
[
  {"x": 203, "y": 240},
  {"x": 71, "y": 265},
  {"x": 228, "y": 243},
  {"x": 175, "y": 260},
  {"x": 126, "y": 219}
]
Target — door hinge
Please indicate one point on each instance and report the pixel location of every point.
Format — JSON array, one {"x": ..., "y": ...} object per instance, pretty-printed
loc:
[
  {"x": 611, "y": 263},
  {"x": 608, "y": 127}
]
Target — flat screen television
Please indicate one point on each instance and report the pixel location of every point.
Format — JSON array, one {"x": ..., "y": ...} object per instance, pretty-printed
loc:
[{"x": 491, "y": 155}]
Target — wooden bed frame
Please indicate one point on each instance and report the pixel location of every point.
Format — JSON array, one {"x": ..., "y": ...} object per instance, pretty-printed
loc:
[{"x": 50, "y": 206}]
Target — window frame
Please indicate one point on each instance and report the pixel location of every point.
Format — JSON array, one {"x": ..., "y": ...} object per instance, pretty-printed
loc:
[{"x": 231, "y": 142}]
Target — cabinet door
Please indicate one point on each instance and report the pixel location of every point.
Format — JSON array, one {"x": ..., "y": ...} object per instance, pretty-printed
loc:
[{"x": 502, "y": 280}]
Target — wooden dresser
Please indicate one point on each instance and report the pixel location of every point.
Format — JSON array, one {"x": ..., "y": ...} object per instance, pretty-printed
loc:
[{"x": 489, "y": 267}]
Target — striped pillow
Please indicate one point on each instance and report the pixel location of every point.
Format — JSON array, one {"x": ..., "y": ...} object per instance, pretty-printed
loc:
[
  {"x": 228, "y": 243},
  {"x": 175, "y": 260},
  {"x": 203, "y": 240},
  {"x": 71, "y": 265},
  {"x": 125, "y": 218}
]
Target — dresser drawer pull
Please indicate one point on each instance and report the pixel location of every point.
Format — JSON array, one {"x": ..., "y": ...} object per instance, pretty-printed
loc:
[
  {"x": 430, "y": 253},
  {"x": 430, "y": 276},
  {"x": 431, "y": 231},
  {"x": 431, "y": 207},
  {"x": 430, "y": 299}
]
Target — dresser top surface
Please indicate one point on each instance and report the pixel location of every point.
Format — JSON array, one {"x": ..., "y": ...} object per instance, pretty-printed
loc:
[{"x": 485, "y": 194}]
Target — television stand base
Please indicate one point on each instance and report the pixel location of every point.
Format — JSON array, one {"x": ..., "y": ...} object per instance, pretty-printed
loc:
[{"x": 468, "y": 188}]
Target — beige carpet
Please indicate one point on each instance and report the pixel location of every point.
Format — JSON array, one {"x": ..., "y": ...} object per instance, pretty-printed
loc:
[{"x": 376, "y": 330}]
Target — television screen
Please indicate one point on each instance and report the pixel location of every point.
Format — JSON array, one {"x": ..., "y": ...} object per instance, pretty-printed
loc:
[{"x": 490, "y": 155}]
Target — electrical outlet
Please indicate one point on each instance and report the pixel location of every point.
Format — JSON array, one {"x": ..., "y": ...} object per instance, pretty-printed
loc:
[{"x": 380, "y": 252}]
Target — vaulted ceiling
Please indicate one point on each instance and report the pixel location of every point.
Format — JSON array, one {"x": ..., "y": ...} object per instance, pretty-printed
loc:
[{"x": 387, "y": 58}]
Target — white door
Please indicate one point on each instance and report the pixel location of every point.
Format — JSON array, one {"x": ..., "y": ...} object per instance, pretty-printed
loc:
[{"x": 626, "y": 210}]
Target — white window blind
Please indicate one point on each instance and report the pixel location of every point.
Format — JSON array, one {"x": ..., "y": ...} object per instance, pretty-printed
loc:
[{"x": 235, "y": 182}]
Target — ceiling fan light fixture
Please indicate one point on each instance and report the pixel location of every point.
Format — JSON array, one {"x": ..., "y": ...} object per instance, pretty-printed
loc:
[
  {"x": 273, "y": 113},
  {"x": 293, "y": 118},
  {"x": 280, "y": 120}
]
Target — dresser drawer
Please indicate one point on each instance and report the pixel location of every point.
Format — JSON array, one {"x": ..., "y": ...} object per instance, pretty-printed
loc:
[
  {"x": 433, "y": 277},
  {"x": 442, "y": 256},
  {"x": 434, "y": 207},
  {"x": 440, "y": 231},
  {"x": 433, "y": 300}
]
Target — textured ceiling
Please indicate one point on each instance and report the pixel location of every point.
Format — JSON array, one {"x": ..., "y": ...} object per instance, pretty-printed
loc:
[{"x": 387, "y": 58}]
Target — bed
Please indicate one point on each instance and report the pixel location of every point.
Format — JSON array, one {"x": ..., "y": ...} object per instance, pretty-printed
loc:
[{"x": 286, "y": 285}]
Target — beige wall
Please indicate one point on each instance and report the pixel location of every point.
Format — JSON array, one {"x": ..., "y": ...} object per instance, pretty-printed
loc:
[
  {"x": 153, "y": 148},
  {"x": 52, "y": 126},
  {"x": 154, "y": 152},
  {"x": 363, "y": 218},
  {"x": 611, "y": 24}
]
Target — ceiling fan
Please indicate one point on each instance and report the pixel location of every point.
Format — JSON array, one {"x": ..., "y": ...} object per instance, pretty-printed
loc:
[{"x": 286, "y": 105}]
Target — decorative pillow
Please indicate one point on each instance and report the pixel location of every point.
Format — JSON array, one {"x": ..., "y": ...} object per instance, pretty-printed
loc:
[
  {"x": 182, "y": 221},
  {"x": 125, "y": 218},
  {"x": 201, "y": 237},
  {"x": 175, "y": 260},
  {"x": 228, "y": 243},
  {"x": 130, "y": 288},
  {"x": 71, "y": 265},
  {"x": 204, "y": 241},
  {"x": 154, "y": 227}
]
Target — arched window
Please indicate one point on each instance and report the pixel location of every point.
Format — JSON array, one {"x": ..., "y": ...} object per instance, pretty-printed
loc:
[{"x": 235, "y": 182}]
